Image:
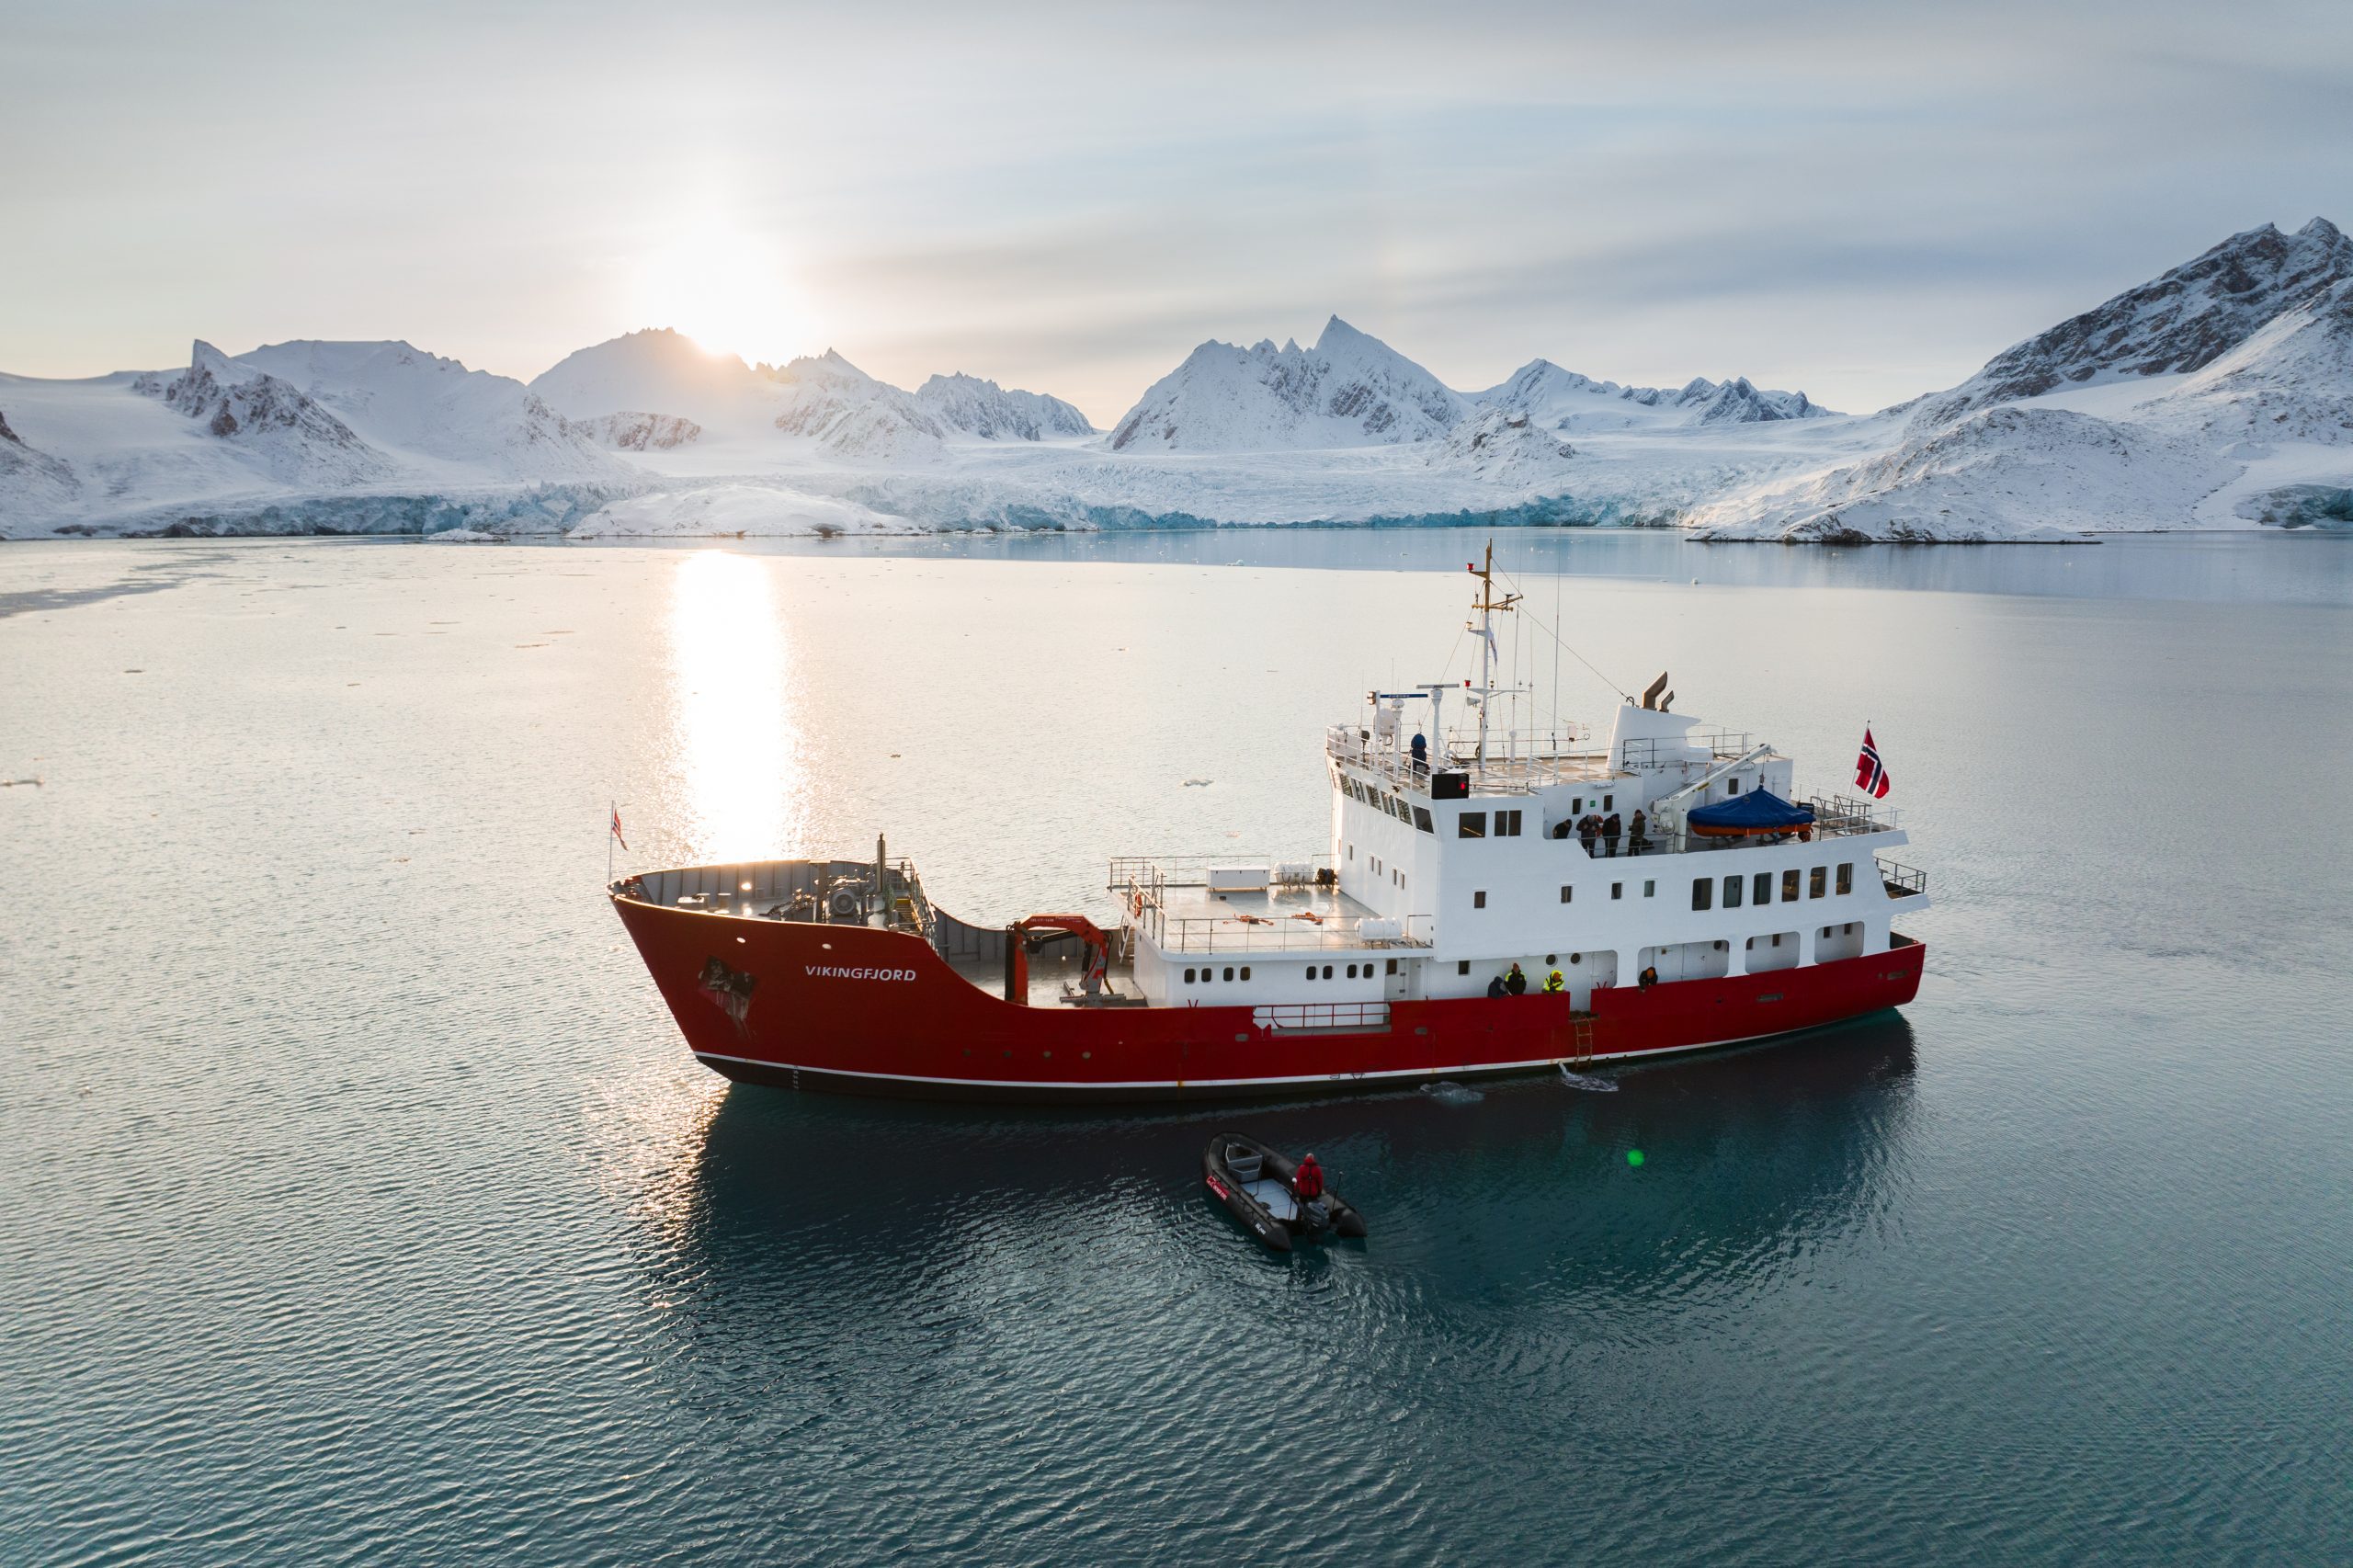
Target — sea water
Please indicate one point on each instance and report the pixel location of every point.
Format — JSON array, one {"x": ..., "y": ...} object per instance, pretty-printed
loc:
[{"x": 362, "y": 1202}]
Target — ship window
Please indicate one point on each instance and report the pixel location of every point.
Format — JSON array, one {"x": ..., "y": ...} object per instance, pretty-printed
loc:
[
  {"x": 1470, "y": 825},
  {"x": 1703, "y": 893},
  {"x": 1777, "y": 938},
  {"x": 1764, "y": 889},
  {"x": 1649, "y": 888},
  {"x": 1228, "y": 971},
  {"x": 1352, "y": 971},
  {"x": 1327, "y": 971},
  {"x": 1608, "y": 802},
  {"x": 1577, "y": 805},
  {"x": 1790, "y": 885},
  {"x": 1552, "y": 959},
  {"x": 1392, "y": 966},
  {"x": 1422, "y": 820},
  {"x": 1188, "y": 977},
  {"x": 1731, "y": 891},
  {"x": 1508, "y": 824},
  {"x": 1731, "y": 786},
  {"x": 1819, "y": 882},
  {"x": 1246, "y": 971},
  {"x": 1617, "y": 890},
  {"x": 1576, "y": 958},
  {"x": 1846, "y": 878},
  {"x": 1479, "y": 900},
  {"x": 1567, "y": 893},
  {"x": 1463, "y": 967},
  {"x": 1311, "y": 972}
]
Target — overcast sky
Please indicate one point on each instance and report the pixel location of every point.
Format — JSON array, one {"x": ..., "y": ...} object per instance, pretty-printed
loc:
[{"x": 1863, "y": 202}]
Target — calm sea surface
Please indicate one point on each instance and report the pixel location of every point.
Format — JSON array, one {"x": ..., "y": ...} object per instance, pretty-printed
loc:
[{"x": 362, "y": 1203}]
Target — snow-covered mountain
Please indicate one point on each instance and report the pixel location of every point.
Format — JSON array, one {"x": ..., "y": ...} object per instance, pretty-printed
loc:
[
  {"x": 428, "y": 412},
  {"x": 657, "y": 371},
  {"x": 1564, "y": 400},
  {"x": 995, "y": 413},
  {"x": 2219, "y": 394},
  {"x": 847, "y": 413},
  {"x": 1350, "y": 390},
  {"x": 1504, "y": 447},
  {"x": 288, "y": 434},
  {"x": 2189, "y": 401},
  {"x": 2182, "y": 320}
]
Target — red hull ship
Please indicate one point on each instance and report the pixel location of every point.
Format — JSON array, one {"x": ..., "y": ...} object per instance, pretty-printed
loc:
[{"x": 1483, "y": 910}]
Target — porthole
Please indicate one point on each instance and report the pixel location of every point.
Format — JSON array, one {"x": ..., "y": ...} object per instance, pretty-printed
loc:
[
  {"x": 1576, "y": 958},
  {"x": 1327, "y": 971},
  {"x": 1246, "y": 971},
  {"x": 1552, "y": 959},
  {"x": 1188, "y": 977},
  {"x": 1229, "y": 973}
]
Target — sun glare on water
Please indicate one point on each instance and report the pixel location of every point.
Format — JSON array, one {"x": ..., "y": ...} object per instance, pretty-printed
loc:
[
  {"x": 729, "y": 291},
  {"x": 730, "y": 652}
]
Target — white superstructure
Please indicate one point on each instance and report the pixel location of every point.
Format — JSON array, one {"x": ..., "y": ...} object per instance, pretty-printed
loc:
[{"x": 1448, "y": 863}]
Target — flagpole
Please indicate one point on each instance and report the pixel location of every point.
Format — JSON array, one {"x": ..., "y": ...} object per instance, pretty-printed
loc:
[{"x": 612, "y": 809}]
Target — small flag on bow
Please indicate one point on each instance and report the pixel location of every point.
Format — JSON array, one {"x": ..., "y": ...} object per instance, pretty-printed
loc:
[
  {"x": 1870, "y": 773},
  {"x": 616, "y": 826}
]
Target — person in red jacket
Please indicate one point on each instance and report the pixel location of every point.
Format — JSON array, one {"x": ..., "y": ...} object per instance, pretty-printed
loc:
[{"x": 1307, "y": 1182}]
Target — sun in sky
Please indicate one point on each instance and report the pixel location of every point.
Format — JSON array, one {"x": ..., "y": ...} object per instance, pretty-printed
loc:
[{"x": 730, "y": 290}]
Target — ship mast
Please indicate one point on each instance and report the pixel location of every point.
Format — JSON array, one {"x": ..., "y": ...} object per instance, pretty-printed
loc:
[{"x": 1487, "y": 604}]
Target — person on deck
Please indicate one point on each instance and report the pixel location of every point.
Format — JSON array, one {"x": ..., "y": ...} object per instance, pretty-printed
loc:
[
  {"x": 1638, "y": 835},
  {"x": 1516, "y": 983},
  {"x": 1650, "y": 976},
  {"x": 1610, "y": 833},
  {"x": 1495, "y": 987},
  {"x": 1555, "y": 984},
  {"x": 1588, "y": 825},
  {"x": 1307, "y": 1182}
]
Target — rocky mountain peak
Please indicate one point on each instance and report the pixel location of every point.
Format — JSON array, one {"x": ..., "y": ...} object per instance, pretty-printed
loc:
[{"x": 2180, "y": 321}]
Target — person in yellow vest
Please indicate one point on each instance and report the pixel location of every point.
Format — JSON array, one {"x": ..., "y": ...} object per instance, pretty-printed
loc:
[{"x": 1555, "y": 984}]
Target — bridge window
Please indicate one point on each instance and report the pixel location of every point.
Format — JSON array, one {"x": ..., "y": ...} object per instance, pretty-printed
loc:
[
  {"x": 1790, "y": 885},
  {"x": 1731, "y": 891},
  {"x": 1470, "y": 825},
  {"x": 1763, "y": 891},
  {"x": 1846, "y": 878},
  {"x": 1703, "y": 893},
  {"x": 1508, "y": 824},
  {"x": 1422, "y": 820},
  {"x": 1479, "y": 900},
  {"x": 1819, "y": 882}
]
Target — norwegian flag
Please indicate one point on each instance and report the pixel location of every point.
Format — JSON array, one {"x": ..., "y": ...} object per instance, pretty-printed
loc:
[
  {"x": 616, "y": 826},
  {"x": 1870, "y": 773}
]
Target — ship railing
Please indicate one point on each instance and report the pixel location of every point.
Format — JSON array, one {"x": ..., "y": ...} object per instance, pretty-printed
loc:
[
  {"x": 1844, "y": 816},
  {"x": 1656, "y": 754},
  {"x": 1130, "y": 872},
  {"x": 1281, "y": 934},
  {"x": 1519, "y": 762},
  {"x": 1902, "y": 882},
  {"x": 1321, "y": 1017}
]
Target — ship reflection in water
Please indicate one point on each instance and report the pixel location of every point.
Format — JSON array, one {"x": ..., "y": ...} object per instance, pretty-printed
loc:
[
  {"x": 815, "y": 1239},
  {"x": 737, "y": 770}
]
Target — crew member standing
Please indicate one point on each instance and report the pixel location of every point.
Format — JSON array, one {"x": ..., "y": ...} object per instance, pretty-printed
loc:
[
  {"x": 1609, "y": 831},
  {"x": 1516, "y": 983}
]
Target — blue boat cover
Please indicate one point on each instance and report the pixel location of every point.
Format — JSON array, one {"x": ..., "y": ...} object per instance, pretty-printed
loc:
[{"x": 1759, "y": 811}]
